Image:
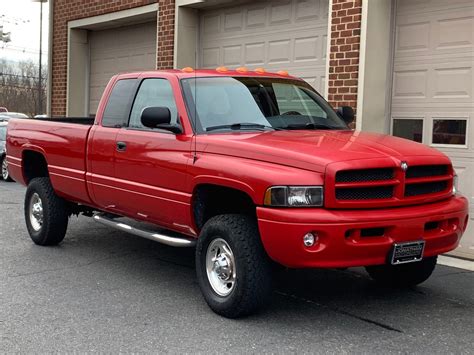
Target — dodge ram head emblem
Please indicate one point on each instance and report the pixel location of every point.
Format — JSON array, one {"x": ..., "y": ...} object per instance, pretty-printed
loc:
[{"x": 404, "y": 165}]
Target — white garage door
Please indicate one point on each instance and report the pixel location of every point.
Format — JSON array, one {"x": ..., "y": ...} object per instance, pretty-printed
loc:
[
  {"x": 276, "y": 35},
  {"x": 118, "y": 50},
  {"x": 433, "y": 85}
]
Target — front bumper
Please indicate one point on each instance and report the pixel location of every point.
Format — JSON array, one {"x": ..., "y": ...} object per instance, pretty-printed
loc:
[{"x": 341, "y": 241}]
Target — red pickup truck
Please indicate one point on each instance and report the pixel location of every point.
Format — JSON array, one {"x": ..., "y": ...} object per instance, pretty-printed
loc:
[{"x": 253, "y": 169}]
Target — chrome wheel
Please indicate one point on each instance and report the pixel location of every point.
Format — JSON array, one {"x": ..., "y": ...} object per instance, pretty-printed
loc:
[
  {"x": 220, "y": 267},
  {"x": 36, "y": 212},
  {"x": 4, "y": 169}
]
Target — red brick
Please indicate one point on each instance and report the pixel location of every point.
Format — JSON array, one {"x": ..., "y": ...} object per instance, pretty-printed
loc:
[{"x": 344, "y": 52}]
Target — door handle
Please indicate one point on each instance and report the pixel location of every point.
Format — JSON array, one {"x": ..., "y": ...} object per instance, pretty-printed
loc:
[{"x": 121, "y": 146}]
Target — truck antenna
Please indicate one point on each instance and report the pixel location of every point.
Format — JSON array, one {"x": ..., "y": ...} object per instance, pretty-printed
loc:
[{"x": 195, "y": 109}]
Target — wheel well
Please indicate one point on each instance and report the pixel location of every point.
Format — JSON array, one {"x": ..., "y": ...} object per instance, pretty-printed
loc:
[
  {"x": 34, "y": 165},
  {"x": 213, "y": 200}
]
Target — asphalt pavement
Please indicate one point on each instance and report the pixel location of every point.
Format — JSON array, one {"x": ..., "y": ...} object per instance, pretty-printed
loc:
[{"x": 106, "y": 291}]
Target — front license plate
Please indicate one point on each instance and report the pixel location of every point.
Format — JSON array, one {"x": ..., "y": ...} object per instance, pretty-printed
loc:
[{"x": 409, "y": 252}]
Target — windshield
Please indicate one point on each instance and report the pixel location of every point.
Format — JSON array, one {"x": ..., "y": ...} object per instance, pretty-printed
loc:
[
  {"x": 3, "y": 133},
  {"x": 220, "y": 103}
]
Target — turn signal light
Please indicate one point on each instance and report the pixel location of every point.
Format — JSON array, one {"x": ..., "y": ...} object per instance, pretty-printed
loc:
[
  {"x": 187, "y": 70},
  {"x": 222, "y": 69}
]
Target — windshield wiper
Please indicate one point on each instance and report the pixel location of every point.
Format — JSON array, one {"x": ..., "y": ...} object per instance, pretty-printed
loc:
[
  {"x": 239, "y": 126},
  {"x": 309, "y": 126}
]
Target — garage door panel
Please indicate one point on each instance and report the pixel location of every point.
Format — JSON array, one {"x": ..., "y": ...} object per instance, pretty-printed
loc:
[
  {"x": 255, "y": 54},
  {"x": 439, "y": 32},
  {"x": 434, "y": 81},
  {"x": 289, "y": 35},
  {"x": 281, "y": 13},
  {"x": 453, "y": 83},
  {"x": 118, "y": 50},
  {"x": 423, "y": 7},
  {"x": 433, "y": 85}
]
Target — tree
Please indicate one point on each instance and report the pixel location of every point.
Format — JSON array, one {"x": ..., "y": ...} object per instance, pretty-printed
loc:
[{"x": 19, "y": 86}]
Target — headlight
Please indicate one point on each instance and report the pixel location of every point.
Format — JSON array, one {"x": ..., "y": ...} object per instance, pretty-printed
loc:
[
  {"x": 455, "y": 184},
  {"x": 294, "y": 196}
]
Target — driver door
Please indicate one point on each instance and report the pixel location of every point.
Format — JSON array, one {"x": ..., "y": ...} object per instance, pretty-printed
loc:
[{"x": 151, "y": 164}]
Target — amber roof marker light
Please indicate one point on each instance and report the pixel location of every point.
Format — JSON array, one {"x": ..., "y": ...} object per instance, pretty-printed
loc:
[
  {"x": 241, "y": 70},
  {"x": 222, "y": 69},
  {"x": 187, "y": 70},
  {"x": 282, "y": 73},
  {"x": 260, "y": 71}
]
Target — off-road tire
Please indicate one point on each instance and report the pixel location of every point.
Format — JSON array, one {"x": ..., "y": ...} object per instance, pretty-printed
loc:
[
  {"x": 405, "y": 275},
  {"x": 253, "y": 285},
  {"x": 55, "y": 213}
]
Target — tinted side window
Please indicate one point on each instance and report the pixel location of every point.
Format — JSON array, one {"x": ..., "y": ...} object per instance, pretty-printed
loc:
[
  {"x": 118, "y": 107},
  {"x": 153, "y": 93}
]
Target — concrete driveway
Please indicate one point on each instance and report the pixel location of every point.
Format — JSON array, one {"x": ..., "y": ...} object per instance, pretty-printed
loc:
[{"x": 106, "y": 291}]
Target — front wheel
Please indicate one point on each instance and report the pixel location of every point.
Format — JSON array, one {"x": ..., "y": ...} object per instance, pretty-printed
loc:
[
  {"x": 46, "y": 213},
  {"x": 233, "y": 269},
  {"x": 405, "y": 275},
  {"x": 5, "y": 173}
]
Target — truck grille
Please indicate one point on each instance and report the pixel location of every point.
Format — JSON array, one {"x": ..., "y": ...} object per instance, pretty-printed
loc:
[
  {"x": 426, "y": 170},
  {"x": 426, "y": 188},
  {"x": 365, "y": 193},
  {"x": 390, "y": 185},
  {"x": 364, "y": 175}
]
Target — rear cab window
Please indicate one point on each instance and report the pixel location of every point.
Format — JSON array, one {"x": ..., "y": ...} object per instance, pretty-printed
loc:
[{"x": 117, "y": 109}]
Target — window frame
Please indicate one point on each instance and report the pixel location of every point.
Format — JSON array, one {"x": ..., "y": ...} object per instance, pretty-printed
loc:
[
  {"x": 147, "y": 129},
  {"x": 412, "y": 118},
  {"x": 449, "y": 118}
]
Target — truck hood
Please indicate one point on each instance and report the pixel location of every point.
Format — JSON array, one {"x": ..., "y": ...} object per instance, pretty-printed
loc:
[{"x": 311, "y": 150}]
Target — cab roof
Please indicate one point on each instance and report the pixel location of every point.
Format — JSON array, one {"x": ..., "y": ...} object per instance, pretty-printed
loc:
[{"x": 218, "y": 72}]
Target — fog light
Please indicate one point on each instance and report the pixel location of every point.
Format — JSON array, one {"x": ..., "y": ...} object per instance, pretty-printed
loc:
[{"x": 309, "y": 239}]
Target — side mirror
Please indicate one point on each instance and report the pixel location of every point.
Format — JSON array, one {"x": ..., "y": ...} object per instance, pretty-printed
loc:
[
  {"x": 159, "y": 117},
  {"x": 346, "y": 113}
]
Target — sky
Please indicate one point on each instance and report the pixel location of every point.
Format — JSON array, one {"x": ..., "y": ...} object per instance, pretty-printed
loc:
[{"x": 22, "y": 19}]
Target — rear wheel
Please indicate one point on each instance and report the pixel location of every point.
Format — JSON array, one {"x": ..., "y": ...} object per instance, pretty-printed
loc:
[
  {"x": 5, "y": 173},
  {"x": 404, "y": 275},
  {"x": 46, "y": 214},
  {"x": 233, "y": 270}
]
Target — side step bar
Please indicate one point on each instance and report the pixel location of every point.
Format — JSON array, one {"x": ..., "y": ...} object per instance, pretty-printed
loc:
[{"x": 163, "y": 237}]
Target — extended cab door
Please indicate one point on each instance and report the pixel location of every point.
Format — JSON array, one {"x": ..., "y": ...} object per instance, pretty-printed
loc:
[
  {"x": 151, "y": 164},
  {"x": 102, "y": 142}
]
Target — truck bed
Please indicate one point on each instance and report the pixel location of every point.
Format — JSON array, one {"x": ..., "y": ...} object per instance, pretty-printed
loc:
[
  {"x": 63, "y": 142},
  {"x": 73, "y": 120}
]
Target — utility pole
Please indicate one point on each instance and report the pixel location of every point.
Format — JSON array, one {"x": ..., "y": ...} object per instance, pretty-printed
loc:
[
  {"x": 40, "y": 80},
  {"x": 40, "y": 88}
]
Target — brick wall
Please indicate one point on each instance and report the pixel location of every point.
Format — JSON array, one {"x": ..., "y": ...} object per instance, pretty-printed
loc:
[
  {"x": 165, "y": 50},
  {"x": 68, "y": 10},
  {"x": 344, "y": 52}
]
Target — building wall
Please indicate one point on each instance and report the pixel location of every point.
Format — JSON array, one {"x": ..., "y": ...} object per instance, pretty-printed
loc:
[
  {"x": 67, "y": 10},
  {"x": 344, "y": 52}
]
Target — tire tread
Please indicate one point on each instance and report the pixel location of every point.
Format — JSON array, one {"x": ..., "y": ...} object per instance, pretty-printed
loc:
[{"x": 55, "y": 209}]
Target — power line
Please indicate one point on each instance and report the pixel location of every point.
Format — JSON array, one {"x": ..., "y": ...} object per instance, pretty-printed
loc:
[
  {"x": 25, "y": 88},
  {"x": 22, "y": 49},
  {"x": 19, "y": 76}
]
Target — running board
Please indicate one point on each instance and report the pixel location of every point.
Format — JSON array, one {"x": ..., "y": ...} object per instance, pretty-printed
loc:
[{"x": 163, "y": 237}]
